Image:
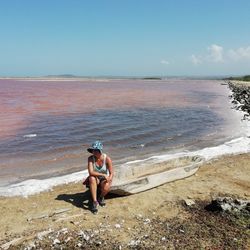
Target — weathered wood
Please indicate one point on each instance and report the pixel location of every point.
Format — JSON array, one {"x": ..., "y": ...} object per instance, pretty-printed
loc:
[
  {"x": 71, "y": 217},
  {"x": 47, "y": 215},
  {"x": 141, "y": 178},
  {"x": 13, "y": 242}
]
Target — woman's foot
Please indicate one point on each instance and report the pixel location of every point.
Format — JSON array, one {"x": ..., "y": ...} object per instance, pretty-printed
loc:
[
  {"x": 101, "y": 201},
  {"x": 94, "y": 206}
]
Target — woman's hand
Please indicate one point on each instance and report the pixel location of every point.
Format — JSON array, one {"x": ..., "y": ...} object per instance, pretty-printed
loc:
[{"x": 108, "y": 179}]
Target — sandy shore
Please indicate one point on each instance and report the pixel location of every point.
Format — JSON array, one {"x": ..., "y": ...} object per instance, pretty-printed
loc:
[{"x": 65, "y": 207}]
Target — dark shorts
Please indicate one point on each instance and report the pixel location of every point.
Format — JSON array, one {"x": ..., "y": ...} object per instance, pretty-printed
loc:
[{"x": 86, "y": 181}]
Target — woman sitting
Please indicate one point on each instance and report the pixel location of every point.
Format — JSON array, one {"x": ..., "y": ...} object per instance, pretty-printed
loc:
[{"x": 100, "y": 175}]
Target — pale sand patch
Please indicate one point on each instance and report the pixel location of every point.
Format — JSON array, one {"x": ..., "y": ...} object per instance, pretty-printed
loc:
[{"x": 62, "y": 207}]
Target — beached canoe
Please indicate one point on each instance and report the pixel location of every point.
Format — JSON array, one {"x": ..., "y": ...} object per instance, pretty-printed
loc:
[{"x": 138, "y": 178}]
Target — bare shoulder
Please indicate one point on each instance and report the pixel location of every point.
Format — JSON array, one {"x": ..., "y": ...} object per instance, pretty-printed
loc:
[
  {"x": 108, "y": 159},
  {"x": 90, "y": 158}
]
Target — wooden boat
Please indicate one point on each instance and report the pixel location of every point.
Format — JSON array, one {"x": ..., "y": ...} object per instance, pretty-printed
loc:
[{"x": 132, "y": 179}]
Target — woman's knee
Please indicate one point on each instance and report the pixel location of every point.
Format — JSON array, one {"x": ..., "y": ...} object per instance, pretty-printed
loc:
[
  {"x": 106, "y": 187},
  {"x": 92, "y": 180}
]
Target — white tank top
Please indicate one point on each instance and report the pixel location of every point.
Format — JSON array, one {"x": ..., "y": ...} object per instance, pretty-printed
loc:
[{"x": 101, "y": 169}]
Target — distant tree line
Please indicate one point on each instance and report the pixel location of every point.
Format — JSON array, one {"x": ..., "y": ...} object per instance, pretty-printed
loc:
[{"x": 239, "y": 78}]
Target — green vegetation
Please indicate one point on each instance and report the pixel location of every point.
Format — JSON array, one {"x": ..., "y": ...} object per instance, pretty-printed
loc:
[
  {"x": 151, "y": 78},
  {"x": 240, "y": 78},
  {"x": 62, "y": 76}
]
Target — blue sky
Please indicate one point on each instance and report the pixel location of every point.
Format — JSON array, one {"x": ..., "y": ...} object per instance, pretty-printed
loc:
[{"x": 124, "y": 38}]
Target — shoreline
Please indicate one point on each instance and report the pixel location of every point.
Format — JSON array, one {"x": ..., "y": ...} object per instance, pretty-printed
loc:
[
  {"x": 35, "y": 186},
  {"x": 232, "y": 146}
]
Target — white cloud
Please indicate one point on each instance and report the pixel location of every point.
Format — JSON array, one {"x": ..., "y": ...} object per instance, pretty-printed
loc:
[
  {"x": 240, "y": 53},
  {"x": 196, "y": 60},
  {"x": 163, "y": 61},
  {"x": 215, "y": 53}
]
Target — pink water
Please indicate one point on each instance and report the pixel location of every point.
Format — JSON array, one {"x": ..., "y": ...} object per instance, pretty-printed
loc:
[{"x": 47, "y": 125}]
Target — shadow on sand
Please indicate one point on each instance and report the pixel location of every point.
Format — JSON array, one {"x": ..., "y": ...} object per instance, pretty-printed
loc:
[{"x": 81, "y": 200}]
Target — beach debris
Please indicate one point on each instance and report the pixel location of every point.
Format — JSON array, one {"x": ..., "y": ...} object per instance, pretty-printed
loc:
[
  {"x": 42, "y": 234},
  {"x": 63, "y": 231},
  {"x": 147, "y": 221},
  {"x": 59, "y": 211},
  {"x": 31, "y": 245},
  {"x": 139, "y": 216},
  {"x": 189, "y": 202},
  {"x": 117, "y": 226},
  {"x": 56, "y": 242},
  {"x": 68, "y": 239},
  {"x": 72, "y": 217},
  {"x": 134, "y": 243},
  {"x": 229, "y": 204},
  {"x": 40, "y": 216},
  {"x": 13, "y": 242},
  {"x": 84, "y": 235},
  {"x": 76, "y": 223},
  {"x": 141, "y": 235},
  {"x": 98, "y": 243},
  {"x": 47, "y": 215}
]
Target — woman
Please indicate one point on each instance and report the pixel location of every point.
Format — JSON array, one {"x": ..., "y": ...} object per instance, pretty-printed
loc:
[{"x": 100, "y": 175}]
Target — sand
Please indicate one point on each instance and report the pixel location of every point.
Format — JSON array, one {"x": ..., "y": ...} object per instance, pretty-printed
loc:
[{"x": 63, "y": 207}]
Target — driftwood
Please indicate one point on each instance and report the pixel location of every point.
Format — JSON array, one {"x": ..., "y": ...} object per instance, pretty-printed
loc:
[
  {"x": 13, "y": 242},
  {"x": 71, "y": 217},
  {"x": 47, "y": 215},
  {"x": 134, "y": 179},
  {"x": 17, "y": 241}
]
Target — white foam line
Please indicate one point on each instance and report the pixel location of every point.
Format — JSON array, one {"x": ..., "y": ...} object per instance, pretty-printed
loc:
[
  {"x": 236, "y": 146},
  {"x": 34, "y": 186},
  {"x": 30, "y": 135}
]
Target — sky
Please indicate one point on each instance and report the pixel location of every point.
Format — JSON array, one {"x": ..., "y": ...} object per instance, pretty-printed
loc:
[{"x": 124, "y": 37}]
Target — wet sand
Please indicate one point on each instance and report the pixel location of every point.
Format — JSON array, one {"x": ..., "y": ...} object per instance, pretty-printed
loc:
[{"x": 63, "y": 207}]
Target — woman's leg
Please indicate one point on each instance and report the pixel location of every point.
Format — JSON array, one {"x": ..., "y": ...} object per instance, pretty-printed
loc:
[
  {"x": 93, "y": 183},
  {"x": 105, "y": 187}
]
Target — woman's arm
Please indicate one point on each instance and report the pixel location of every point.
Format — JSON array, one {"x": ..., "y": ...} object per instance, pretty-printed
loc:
[{"x": 110, "y": 168}]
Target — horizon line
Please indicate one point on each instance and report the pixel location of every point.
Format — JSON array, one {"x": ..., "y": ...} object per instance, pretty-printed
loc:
[{"x": 71, "y": 76}]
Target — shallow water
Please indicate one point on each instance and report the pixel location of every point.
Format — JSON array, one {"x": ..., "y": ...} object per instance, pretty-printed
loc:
[{"x": 46, "y": 126}]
